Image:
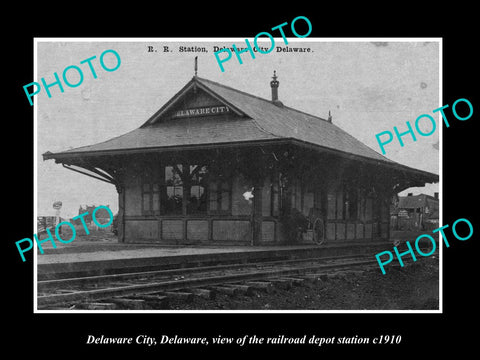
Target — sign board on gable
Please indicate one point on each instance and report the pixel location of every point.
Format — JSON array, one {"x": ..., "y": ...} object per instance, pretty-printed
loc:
[{"x": 201, "y": 111}]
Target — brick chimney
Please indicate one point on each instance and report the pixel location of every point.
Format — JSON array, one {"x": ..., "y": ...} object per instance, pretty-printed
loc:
[{"x": 274, "y": 85}]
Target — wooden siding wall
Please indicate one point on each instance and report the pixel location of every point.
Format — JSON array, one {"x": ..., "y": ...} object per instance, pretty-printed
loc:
[
  {"x": 372, "y": 221},
  {"x": 192, "y": 229}
]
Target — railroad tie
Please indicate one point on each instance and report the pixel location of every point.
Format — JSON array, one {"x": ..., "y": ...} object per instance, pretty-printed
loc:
[
  {"x": 98, "y": 306},
  {"x": 179, "y": 295},
  {"x": 261, "y": 285},
  {"x": 224, "y": 289},
  {"x": 242, "y": 289},
  {"x": 282, "y": 283},
  {"x": 348, "y": 273},
  {"x": 204, "y": 293},
  {"x": 160, "y": 301},
  {"x": 128, "y": 303}
]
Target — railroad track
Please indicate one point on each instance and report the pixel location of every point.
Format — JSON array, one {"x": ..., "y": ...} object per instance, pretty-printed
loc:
[{"x": 158, "y": 287}]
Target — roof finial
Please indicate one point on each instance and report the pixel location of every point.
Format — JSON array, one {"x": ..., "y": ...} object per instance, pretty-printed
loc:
[
  {"x": 196, "y": 67},
  {"x": 329, "y": 116}
]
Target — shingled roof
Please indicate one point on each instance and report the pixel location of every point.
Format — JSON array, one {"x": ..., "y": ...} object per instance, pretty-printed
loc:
[{"x": 258, "y": 120}]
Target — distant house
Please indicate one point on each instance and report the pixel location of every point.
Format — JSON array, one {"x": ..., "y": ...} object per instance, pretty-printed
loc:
[
  {"x": 101, "y": 215},
  {"x": 44, "y": 222},
  {"x": 415, "y": 212}
]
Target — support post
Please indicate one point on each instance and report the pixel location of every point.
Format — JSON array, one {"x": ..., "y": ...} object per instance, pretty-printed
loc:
[
  {"x": 257, "y": 214},
  {"x": 121, "y": 213}
]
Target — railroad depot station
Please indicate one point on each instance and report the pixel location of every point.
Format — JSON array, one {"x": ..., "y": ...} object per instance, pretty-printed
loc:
[{"x": 216, "y": 165}]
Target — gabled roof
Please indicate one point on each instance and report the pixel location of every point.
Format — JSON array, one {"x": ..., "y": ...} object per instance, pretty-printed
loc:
[
  {"x": 256, "y": 120},
  {"x": 415, "y": 201},
  {"x": 195, "y": 83},
  {"x": 262, "y": 120}
]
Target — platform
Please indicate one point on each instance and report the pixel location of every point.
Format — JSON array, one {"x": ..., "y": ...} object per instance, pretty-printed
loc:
[{"x": 121, "y": 258}]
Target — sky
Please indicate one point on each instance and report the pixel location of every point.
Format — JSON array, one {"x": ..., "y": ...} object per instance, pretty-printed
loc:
[{"x": 369, "y": 86}]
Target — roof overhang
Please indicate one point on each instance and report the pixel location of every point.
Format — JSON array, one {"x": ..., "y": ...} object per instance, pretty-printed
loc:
[{"x": 416, "y": 177}]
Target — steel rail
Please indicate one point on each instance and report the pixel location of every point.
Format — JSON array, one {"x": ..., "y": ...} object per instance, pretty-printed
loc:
[
  {"x": 45, "y": 285},
  {"x": 105, "y": 293}
]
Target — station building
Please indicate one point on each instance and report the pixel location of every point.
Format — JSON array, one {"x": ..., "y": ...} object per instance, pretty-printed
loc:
[{"x": 216, "y": 165}]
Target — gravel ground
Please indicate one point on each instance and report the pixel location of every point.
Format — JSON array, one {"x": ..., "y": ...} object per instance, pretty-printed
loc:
[{"x": 414, "y": 287}]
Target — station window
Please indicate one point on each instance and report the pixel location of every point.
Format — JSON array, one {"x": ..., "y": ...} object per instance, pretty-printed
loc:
[
  {"x": 384, "y": 210},
  {"x": 274, "y": 191},
  {"x": 190, "y": 189},
  {"x": 197, "y": 201},
  {"x": 270, "y": 196},
  {"x": 308, "y": 202},
  {"x": 343, "y": 204},
  {"x": 362, "y": 204},
  {"x": 296, "y": 194},
  {"x": 150, "y": 193},
  {"x": 351, "y": 204},
  {"x": 331, "y": 206},
  {"x": 185, "y": 189},
  {"x": 173, "y": 190},
  {"x": 220, "y": 196},
  {"x": 369, "y": 208},
  {"x": 340, "y": 205}
]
